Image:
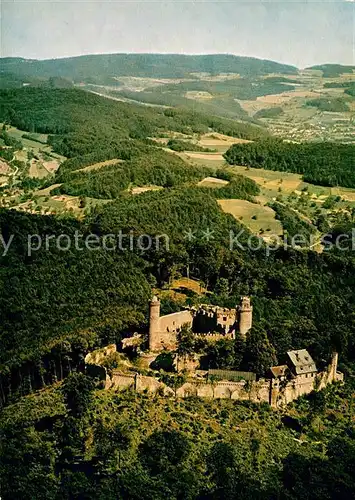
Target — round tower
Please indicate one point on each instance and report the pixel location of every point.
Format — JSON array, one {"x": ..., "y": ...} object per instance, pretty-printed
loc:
[
  {"x": 154, "y": 315},
  {"x": 245, "y": 316}
]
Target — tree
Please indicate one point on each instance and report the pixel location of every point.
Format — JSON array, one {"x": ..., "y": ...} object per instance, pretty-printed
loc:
[
  {"x": 222, "y": 287},
  {"x": 186, "y": 343},
  {"x": 259, "y": 354},
  {"x": 77, "y": 389},
  {"x": 163, "y": 450}
]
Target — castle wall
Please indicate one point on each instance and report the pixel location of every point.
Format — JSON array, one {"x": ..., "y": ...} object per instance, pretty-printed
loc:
[
  {"x": 174, "y": 322},
  {"x": 121, "y": 381},
  {"x": 274, "y": 392},
  {"x": 213, "y": 337},
  {"x": 164, "y": 334}
]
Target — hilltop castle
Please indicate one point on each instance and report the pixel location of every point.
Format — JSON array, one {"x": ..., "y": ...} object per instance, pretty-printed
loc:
[
  {"x": 281, "y": 385},
  {"x": 209, "y": 322}
]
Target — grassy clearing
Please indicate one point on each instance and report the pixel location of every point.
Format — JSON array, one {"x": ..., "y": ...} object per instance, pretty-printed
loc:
[
  {"x": 181, "y": 288},
  {"x": 4, "y": 168},
  {"x": 188, "y": 284},
  {"x": 258, "y": 218},
  {"x": 318, "y": 191},
  {"x": 205, "y": 157},
  {"x": 43, "y": 203},
  {"x": 97, "y": 166},
  {"x": 51, "y": 166},
  {"x": 3, "y": 181},
  {"x": 215, "y": 141},
  {"x": 346, "y": 193},
  {"x": 144, "y": 189},
  {"x": 212, "y": 182},
  {"x": 46, "y": 191},
  {"x": 30, "y": 145},
  {"x": 220, "y": 142}
]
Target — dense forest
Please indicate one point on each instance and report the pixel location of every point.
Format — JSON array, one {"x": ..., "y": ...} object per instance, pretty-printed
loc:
[
  {"x": 73, "y": 442},
  {"x": 103, "y": 68},
  {"x": 341, "y": 85},
  {"x": 158, "y": 168},
  {"x": 84, "y": 123},
  {"x": 269, "y": 112},
  {"x": 325, "y": 163}
]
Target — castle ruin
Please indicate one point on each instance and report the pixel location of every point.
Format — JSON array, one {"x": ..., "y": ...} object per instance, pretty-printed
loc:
[
  {"x": 281, "y": 385},
  {"x": 206, "y": 321}
]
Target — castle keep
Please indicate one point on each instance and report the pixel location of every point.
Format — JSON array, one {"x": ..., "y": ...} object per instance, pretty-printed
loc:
[{"x": 209, "y": 322}]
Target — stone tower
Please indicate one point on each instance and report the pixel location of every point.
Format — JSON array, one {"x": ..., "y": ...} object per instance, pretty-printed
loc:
[
  {"x": 245, "y": 316},
  {"x": 154, "y": 316},
  {"x": 333, "y": 367}
]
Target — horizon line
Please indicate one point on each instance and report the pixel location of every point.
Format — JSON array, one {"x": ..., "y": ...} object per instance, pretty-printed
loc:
[{"x": 184, "y": 54}]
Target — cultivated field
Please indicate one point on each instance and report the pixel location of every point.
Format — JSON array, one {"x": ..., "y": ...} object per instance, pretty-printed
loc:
[
  {"x": 258, "y": 218},
  {"x": 271, "y": 180},
  {"x": 4, "y": 168},
  {"x": 38, "y": 170},
  {"x": 206, "y": 157}
]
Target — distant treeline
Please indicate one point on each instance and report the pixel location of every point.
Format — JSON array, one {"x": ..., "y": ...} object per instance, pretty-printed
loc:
[
  {"x": 240, "y": 88},
  {"x": 326, "y": 163},
  {"x": 333, "y": 105},
  {"x": 333, "y": 70},
  {"x": 104, "y": 68},
  {"x": 339, "y": 85},
  {"x": 183, "y": 145},
  {"x": 221, "y": 105}
]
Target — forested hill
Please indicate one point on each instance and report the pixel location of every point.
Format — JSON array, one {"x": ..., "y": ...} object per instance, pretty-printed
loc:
[
  {"x": 84, "y": 122},
  {"x": 333, "y": 70},
  {"x": 104, "y": 67}
]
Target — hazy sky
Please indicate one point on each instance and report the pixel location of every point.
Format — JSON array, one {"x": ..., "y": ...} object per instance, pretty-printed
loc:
[{"x": 299, "y": 33}]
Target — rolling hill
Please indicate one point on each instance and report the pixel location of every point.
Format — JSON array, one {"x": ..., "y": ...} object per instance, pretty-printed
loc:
[
  {"x": 333, "y": 70},
  {"x": 103, "y": 68}
]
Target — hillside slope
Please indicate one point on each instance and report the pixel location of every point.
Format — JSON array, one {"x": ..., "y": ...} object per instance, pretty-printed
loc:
[{"x": 84, "y": 122}]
